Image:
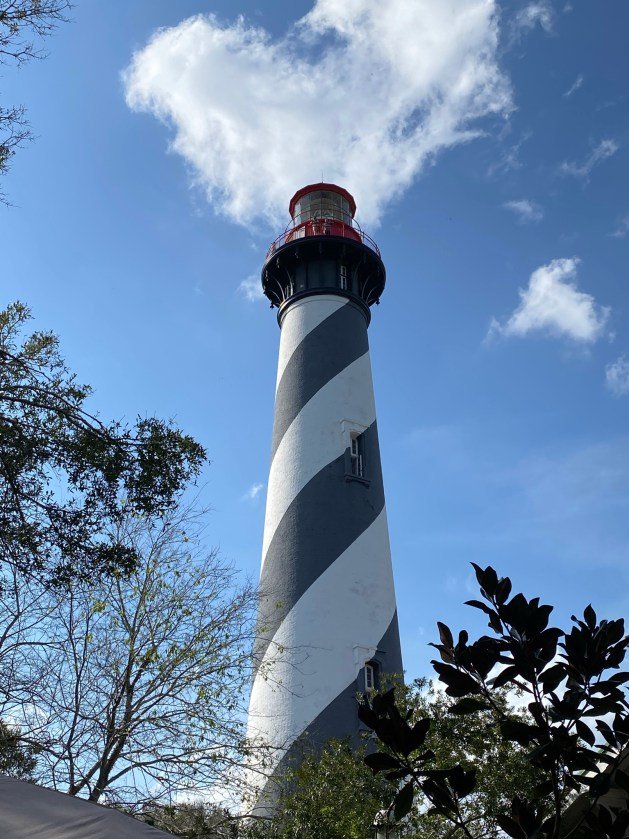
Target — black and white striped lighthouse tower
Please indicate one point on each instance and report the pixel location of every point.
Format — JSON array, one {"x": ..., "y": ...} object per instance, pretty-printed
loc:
[{"x": 327, "y": 619}]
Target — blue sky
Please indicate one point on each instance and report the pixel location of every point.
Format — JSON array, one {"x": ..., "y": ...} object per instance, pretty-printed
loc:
[{"x": 488, "y": 149}]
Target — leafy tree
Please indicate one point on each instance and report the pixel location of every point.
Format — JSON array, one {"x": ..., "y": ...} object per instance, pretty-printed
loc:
[
  {"x": 66, "y": 476},
  {"x": 576, "y": 738},
  {"x": 192, "y": 820},
  {"x": 23, "y": 23},
  {"x": 334, "y": 795},
  {"x": 16, "y": 759},
  {"x": 328, "y": 795},
  {"x": 475, "y": 743},
  {"x": 139, "y": 688}
]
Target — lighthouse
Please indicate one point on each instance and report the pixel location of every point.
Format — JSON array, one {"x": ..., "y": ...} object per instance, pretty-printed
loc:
[{"x": 327, "y": 622}]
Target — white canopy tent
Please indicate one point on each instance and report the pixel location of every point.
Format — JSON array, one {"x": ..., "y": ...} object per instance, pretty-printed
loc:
[{"x": 31, "y": 812}]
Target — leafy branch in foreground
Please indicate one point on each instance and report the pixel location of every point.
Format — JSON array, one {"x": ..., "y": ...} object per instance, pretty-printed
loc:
[
  {"x": 65, "y": 475},
  {"x": 577, "y": 735}
]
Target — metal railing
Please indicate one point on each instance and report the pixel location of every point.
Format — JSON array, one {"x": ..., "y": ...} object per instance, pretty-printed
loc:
[{"x": 321, "y": 226}]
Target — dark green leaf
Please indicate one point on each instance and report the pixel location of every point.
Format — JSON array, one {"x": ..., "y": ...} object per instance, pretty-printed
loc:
[
  {"x": 379, "y": 762},
  {"x": 403, "y": 802},
  {"x": 511, "y": 827},
  {"x": 469, "y": 705},
  {"x": 445, "y": 634}
]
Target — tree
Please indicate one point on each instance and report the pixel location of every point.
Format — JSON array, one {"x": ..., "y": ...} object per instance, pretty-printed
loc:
[
  {"x": 192, "y": 820},
  {"x": 66, "y": 477},
  {"x": 16, "y": 759},
  {"x": 577, "y": 736},
  {"x": 334, "y": 795},
  {"x": 139, "y": 689},
  {"x": 330, "y": 794},
  {"x": 22, "y": 24},
  {"x": 475, "y": 743}
]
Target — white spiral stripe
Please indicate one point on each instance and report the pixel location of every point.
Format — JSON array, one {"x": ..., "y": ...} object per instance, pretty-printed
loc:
[
  {"x": 302, "y": 317},
  {"x": 324, "y": 641},
  {"x": 315, "y": 438}
]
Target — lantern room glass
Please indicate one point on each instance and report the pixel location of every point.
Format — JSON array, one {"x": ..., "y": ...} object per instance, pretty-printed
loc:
[{"x": 322, "y": 204}]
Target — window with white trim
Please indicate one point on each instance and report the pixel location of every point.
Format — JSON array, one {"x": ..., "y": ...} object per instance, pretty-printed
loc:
[
  {"x": 356, "y": 455},
  {"x": 356, "y": 464},
  {"x": 371, "y": 672},
  {"x": 343, "y": 277}
]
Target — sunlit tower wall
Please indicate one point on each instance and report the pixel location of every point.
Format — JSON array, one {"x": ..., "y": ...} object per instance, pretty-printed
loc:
[{"x": 327, "y": 624}]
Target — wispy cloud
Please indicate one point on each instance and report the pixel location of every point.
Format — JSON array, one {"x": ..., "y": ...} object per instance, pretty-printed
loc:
[
  {"x": 617, "y": 376},
  {"x": 575, "y": 85},
  {"x": 253, "y": 492},
  {"x": 527, "y": 211},
  {"x": 251, "y": 288},
  {"x": 510, "y": 157},
  {"x": 622, "y": 228},
  {"x": 552, "y": 304},
  {"x": 604, "y": 150},
  {"x": 248, "y": 112},
  {"x": 535, "y": 14}
]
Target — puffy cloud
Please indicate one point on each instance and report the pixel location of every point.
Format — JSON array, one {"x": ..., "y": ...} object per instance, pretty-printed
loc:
[
  {"x": 617, "y": 376},
  {"x": 251, "y": 288},
  {"x": 361, "y": 97},
  {"x": 526, "y": 211},
  {"x": 605, "y": 149},
  {"x": 553, "y": 304}
]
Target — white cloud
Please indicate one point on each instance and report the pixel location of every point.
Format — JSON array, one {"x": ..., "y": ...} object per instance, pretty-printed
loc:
[
  {"x": 605, "y": 149},
  {"x": 365, "y": 97},
  {"x": 252, "y": 288},
  {"x": 527, "y": 211},
  {"x": 553, "y": 304},
  {"x": 252, "y": 493},
  {"x": 617, "y": 376},
  {"x": 535, "y": 14},
  {"x": 510, "y": 157},
  {"x": 622, "y": 228},
  {"x": 575, "y": 85}
]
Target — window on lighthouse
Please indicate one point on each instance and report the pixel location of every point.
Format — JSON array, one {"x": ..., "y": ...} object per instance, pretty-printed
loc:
[
  {"x": 371, "y": 670},
  {"x": 343, "y": 277},
  {"x": 356, "y": 455}
]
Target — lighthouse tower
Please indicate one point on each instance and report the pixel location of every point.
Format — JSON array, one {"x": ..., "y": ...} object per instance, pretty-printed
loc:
[{"x": 327, "y": 625}]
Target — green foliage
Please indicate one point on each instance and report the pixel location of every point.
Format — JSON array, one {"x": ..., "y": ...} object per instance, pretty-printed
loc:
[
  {"x": 65, "y": 475},
  {"x": 329, "y": 795},
  {"x": 340, "y": 792},
  {"x": 17, "y": 759},
  {"x": 474, "y": 742},
  {"x": 576, "y": 737},
  {"x": 194, "y": 820}
]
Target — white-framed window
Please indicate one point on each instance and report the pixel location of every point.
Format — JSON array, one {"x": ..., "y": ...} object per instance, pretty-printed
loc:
[
  {"x": 355, "y": 463},
  {"x": 371, "y": 672},
  {"x": 343, "y": 277},
  {"x": 356, "y": 455}
]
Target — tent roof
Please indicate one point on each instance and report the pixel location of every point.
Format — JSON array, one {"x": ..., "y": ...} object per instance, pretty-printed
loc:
[{"x": 31, "y": 812}]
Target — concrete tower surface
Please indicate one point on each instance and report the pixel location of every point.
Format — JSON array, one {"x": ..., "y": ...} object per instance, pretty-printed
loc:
[{"x": 327, "y": 617}]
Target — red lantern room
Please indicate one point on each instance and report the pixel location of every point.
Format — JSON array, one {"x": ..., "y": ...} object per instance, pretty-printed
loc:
[
  {"x": 322, "y": 210},
  {"x": 322, "y": 201},
  {"x": 323, "y": 250}
]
